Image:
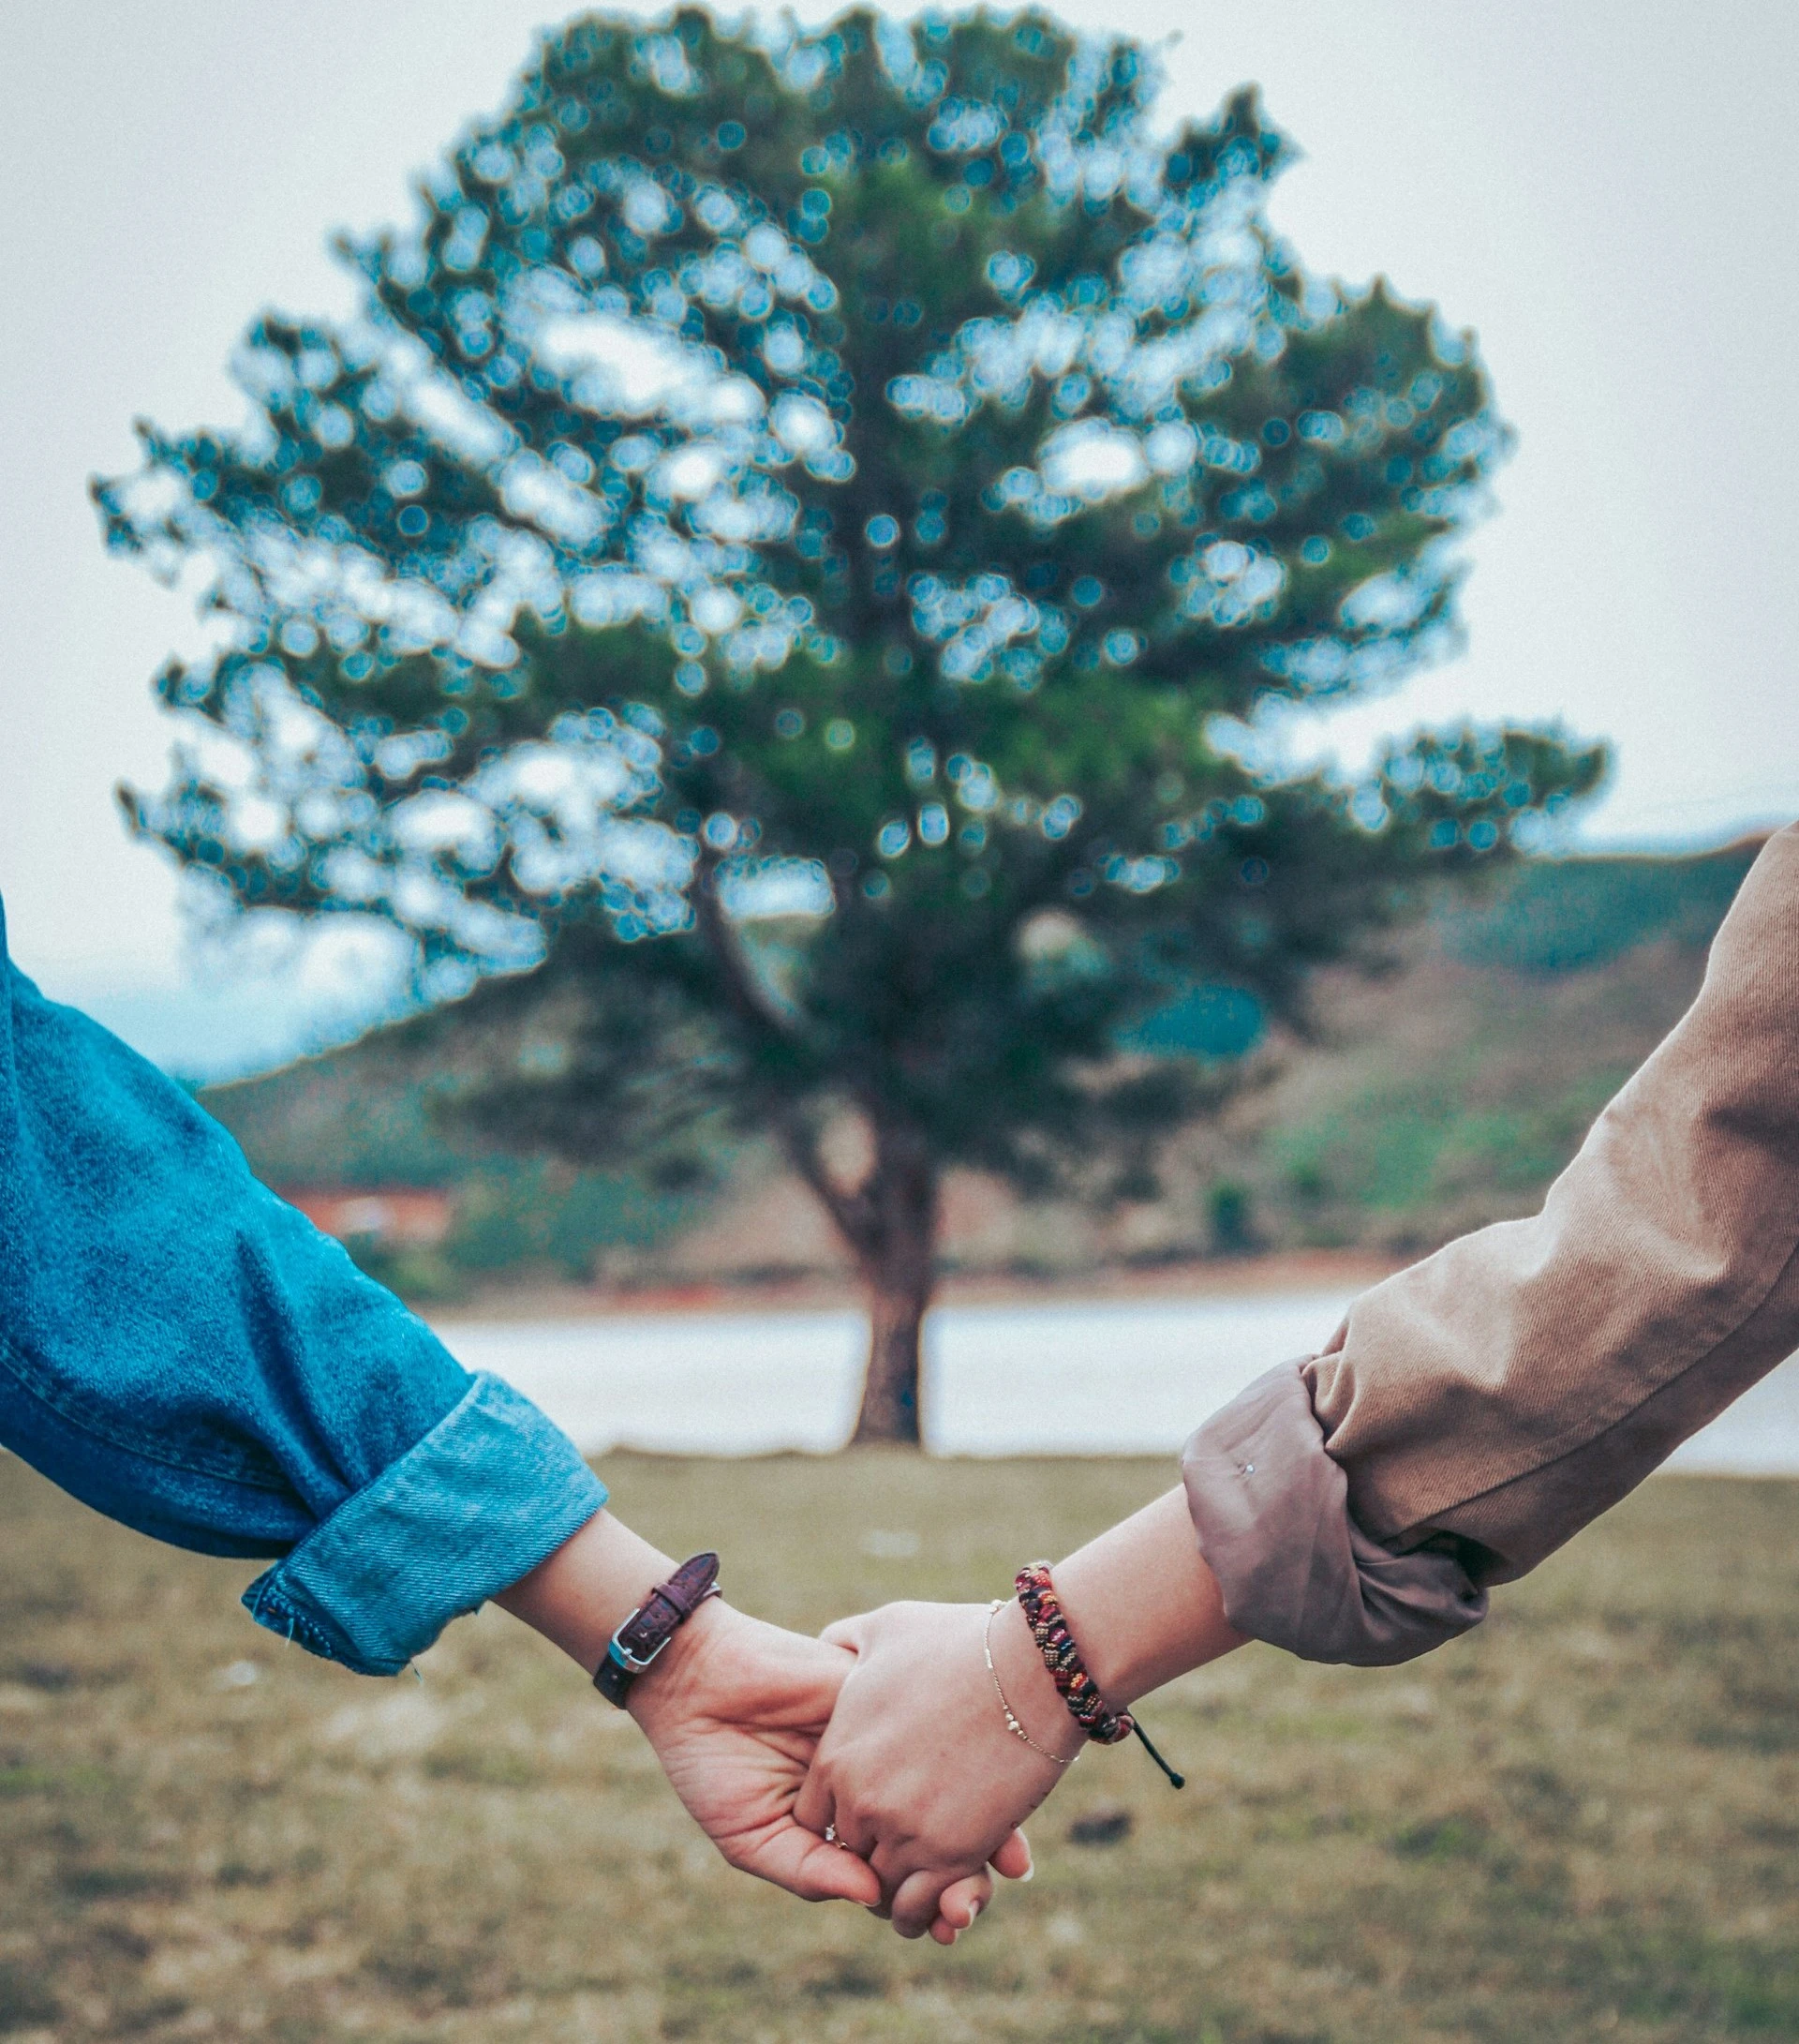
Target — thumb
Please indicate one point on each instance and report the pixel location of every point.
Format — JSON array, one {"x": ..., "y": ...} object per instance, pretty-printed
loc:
[
  {"x": 805, "y": 1866},
  {"x": 850, "y": 1633},
  {"x": 1013, "y": 1859}
]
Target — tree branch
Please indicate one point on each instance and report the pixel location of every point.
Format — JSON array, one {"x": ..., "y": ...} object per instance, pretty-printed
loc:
[
  {"x": 852, "y": 1212},
  {"x": 748, "y": 998}
]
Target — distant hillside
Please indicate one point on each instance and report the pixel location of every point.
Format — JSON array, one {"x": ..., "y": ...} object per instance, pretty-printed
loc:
[
  {"x": 1563, "y": 915},
  {"x": 1446, "y": 1093},
  {"x": 357, "y": 1119}
]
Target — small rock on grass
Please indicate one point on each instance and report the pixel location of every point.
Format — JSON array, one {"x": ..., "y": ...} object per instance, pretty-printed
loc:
[{"x": 1105, "y": 1823}]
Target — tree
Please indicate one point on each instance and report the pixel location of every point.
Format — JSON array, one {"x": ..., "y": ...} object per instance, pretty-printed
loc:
[{"x": 781, "y": 582}]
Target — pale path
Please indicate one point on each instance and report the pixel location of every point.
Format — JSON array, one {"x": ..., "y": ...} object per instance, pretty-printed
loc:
[{"x": 1130, "y": 1376}]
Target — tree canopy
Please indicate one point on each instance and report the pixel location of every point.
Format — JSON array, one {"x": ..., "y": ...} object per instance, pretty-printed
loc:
[{"x": 779, "y": 581}]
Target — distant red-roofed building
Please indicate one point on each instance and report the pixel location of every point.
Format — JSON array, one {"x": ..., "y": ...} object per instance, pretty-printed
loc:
[{"x": 396, "y": 1216}]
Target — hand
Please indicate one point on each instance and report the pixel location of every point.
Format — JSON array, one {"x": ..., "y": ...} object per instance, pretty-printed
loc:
[
  {"x": 918, "y": 1771},
  {"x": 735, "y": 1718},
  {"x": 734, "y": 1710}
]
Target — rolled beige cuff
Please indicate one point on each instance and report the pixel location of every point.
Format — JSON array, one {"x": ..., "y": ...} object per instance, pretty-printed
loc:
[
  {"x": 1271, "y": 1511},
  {"x": 1483, "y": 1406}
]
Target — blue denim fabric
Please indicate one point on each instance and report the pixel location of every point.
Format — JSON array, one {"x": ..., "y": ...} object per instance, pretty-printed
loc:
[{"x": 186, "y": 1353}]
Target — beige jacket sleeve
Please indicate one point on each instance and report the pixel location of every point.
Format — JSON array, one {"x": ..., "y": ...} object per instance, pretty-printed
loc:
[{"x": 1473, "y": 1412}]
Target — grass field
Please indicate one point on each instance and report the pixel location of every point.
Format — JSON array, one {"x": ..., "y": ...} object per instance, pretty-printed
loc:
[{"x": 1583, "y": 1821}]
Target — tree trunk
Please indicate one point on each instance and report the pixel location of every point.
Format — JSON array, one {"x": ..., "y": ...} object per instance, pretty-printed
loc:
[
  {"x": 898, "y": 1258},
  {"x": 890, "y": 1221}
]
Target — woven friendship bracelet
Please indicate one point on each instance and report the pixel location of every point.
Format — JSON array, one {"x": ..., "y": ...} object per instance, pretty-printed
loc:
[
  {"x": 1042, "y": 1610},
  {"x": 1012, "y": 1722},
  {"x": 1062, "y": 1657}
]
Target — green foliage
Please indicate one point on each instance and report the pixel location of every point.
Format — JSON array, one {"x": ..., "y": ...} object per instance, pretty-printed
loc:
[
  {"x": 1205, "y": 1022},
  {"x": 1436, "y": 1102},
  {"x": 1230, "y": 1210},
  {"x": 362, "y": 1117},
  {"x": 795, "y": 548},
  {"x": 531, "y": 1215},
  {"x": 357, "y": 1118},
  {"x": 1451, "y": 1093},
  {"x": 1415, "y": 1139}
]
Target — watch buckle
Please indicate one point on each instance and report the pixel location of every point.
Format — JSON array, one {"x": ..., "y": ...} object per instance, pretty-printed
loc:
[{"x": 621, "y": 1656}]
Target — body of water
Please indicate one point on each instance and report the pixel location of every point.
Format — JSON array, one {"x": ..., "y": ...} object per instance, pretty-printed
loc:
[{"x": 1117, "y": 1377}]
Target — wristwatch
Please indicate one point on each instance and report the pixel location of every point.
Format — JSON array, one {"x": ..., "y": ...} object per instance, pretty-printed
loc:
[{"x": 653, "y": 1624}]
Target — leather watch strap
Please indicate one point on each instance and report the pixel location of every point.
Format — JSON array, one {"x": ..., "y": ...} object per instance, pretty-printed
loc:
[{"x": 653, "y": 1624}]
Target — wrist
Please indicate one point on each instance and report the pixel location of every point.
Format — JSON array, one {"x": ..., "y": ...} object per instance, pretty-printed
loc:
[
  {"x": 582, "y": 1593},
  {"x": 1028, "y": 1687},
  {"x": 1142, "y": 1605},
  {"x": 679, "y": 1673}
]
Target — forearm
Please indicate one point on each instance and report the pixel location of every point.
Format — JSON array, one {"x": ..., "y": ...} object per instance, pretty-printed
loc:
[
  {"x": 187, "y": 1354},
  {"x": 1141, "y": 1606},
  {"x": 1649, "y": 1265},
  {"x": 178, "y": 1348},
  {"x": 1141, "y": 1603}
]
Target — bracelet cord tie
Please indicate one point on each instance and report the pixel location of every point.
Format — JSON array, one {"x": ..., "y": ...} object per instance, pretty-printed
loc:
[{"x": 1073, "y": 1683}]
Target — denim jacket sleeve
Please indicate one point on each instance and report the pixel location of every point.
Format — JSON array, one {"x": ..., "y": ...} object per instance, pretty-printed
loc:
[{"x": 186, "y": 1353}]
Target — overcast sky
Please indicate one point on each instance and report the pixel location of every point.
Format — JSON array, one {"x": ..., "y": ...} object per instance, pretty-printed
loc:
[{"x": 1606, "y": 192}]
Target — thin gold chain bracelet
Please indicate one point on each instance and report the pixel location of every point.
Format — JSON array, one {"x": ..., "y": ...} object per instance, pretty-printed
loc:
[{"x": 1012, "y": 1723}]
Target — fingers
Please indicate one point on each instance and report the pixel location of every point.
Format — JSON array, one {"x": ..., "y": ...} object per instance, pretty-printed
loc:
[
  {"x": 915, "y": 1902},
  {"x": 922, "y": 1903},
  {"x": 814, "y": 1812},
  {"x": 959, "y": 1905},
  {"x": 815, "y": 1805},
  {"x": 962, "y": 1901}
]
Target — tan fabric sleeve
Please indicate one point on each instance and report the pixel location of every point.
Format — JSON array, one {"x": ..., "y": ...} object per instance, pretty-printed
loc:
[
  {"x": 1487, "y": 1403},
  {"x": 1271, "y": 1510}
]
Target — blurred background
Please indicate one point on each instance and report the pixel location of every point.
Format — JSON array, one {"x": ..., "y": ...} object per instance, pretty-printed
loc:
[
  {"x": 1605, "y": 196},
  {"x": 1606, "y": 209}
]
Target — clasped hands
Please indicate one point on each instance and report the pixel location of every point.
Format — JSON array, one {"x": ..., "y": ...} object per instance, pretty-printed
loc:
[
  {"x": 876, "y": 1764},
  {"x": 873, "y": 1765}
]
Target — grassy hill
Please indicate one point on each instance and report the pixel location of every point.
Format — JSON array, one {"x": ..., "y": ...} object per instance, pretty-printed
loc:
[
  {"x": 1445, "y": 1093},
  {"x": 362, "y": 1118}
]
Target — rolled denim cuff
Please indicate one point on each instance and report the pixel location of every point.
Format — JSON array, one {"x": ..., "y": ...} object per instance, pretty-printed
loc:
[
  {"x": 1271, "y": 1510},
  {"x": 492, "y": 1490}
]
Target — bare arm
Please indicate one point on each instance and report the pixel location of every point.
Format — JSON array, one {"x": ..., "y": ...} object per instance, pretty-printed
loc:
[
  {"x": 1142, "y": 1602},
  {"x": 581, "y": 1595}
]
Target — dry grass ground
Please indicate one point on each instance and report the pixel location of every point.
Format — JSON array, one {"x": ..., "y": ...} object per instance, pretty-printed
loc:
[{"x": 1584, "y": 1821}]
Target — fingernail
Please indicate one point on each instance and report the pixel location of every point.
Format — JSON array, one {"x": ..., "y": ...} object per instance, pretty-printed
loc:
[
  {"x": 973, "y": 1910},
  {"x": 1030, "y": 1872}
]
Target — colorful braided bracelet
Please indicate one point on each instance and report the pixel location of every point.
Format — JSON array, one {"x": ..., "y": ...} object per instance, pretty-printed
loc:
[{"x": 1041, "y": 1611}]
